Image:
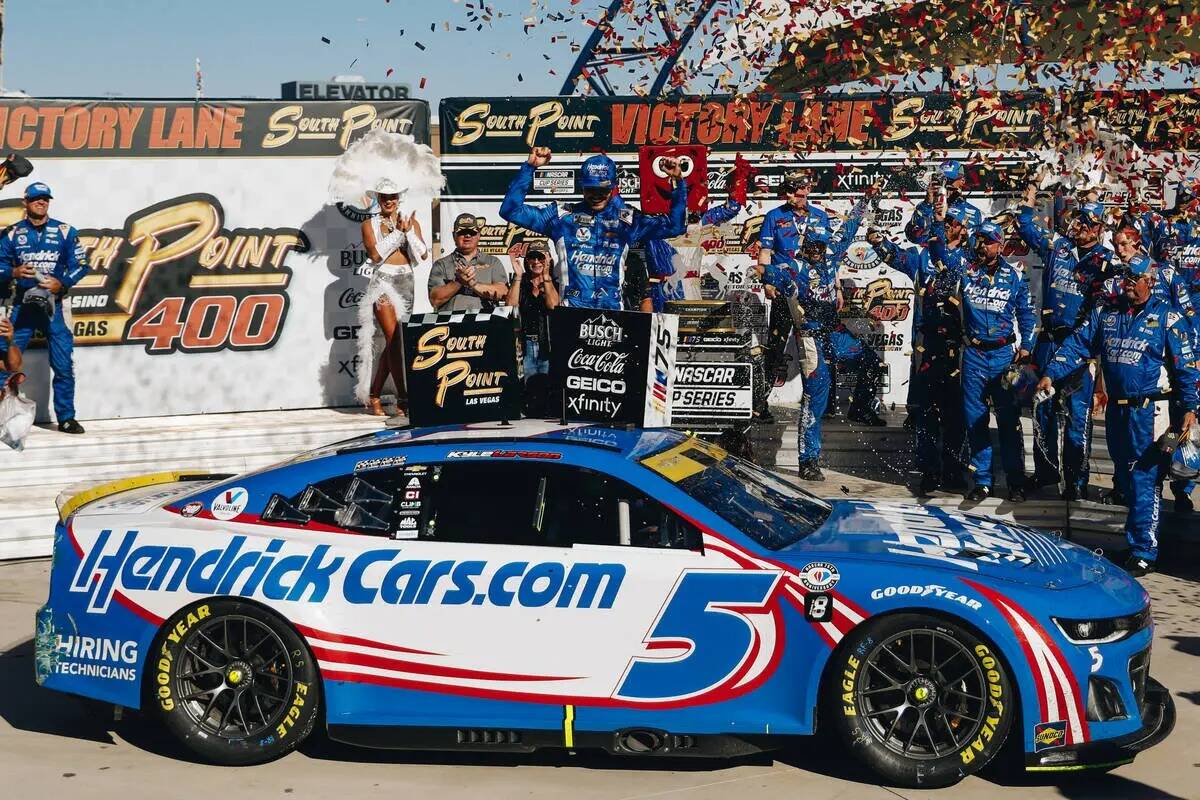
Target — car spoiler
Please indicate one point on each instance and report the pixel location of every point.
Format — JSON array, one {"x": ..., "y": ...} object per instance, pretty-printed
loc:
[{"x": 73, "y": 498}]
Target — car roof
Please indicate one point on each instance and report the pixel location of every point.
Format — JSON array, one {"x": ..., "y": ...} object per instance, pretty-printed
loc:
[{"x": 625, "y": 441}]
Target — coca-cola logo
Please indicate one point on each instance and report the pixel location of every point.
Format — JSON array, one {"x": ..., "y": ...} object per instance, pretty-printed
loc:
[
  {"x": 350, "y": 298},
  {"x": 607, "y": 362}
]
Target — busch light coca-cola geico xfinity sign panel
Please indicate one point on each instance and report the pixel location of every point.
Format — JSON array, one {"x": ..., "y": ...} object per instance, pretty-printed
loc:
[
  {"x": 848, "y": 140},
  {"x": 215, "y": 256}
]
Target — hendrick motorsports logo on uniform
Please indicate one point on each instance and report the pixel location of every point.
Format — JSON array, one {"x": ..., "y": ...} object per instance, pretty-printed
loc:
[
  {"x": 819, "y": 576},
  {"x": 229, "y": 503}
]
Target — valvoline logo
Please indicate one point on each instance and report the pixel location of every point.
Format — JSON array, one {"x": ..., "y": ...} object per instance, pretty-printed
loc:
[{"x": 229, "y": 503}]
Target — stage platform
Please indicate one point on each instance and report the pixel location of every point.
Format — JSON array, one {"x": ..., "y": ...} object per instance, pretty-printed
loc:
[
  {"x": 859, "y": 462},
  {"x": 876, "y": 463}
]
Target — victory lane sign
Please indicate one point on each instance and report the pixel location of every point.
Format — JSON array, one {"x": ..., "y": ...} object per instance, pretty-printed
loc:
[
  {"x": 461, "y": 368},
  {"x": 614, "y": 366}
]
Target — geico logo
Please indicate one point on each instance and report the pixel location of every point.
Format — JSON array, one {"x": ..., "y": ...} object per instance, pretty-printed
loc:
[
  {"x": 704, "y": 374},
  {"x": 343, "y": 332},
  {"x": 589, "y": 384},
  {"x": 309, "y": 575}
]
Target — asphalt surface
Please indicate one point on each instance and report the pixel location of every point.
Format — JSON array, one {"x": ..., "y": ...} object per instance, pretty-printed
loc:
[{"x": 57, "y": 745}]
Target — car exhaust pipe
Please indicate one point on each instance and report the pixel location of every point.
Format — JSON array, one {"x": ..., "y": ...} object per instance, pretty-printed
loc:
[{"x": 641, "y": 741}]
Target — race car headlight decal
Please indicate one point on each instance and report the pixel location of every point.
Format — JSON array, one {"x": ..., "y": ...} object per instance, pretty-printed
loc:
[{"x": 1103, "y": 631}]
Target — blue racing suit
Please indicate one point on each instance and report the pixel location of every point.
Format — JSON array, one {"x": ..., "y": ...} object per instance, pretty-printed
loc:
[
  {"x": 53, "y": 249},
  {"x": 816, "y": 289},
  {"x": 592, "y": 245},
  {"x": 920, "y": 225},
  {"x": 1134, "y": 345},
  {"x": 1072, "y": 282},
  {"x": 936, "y": 390},
  {"x": 995, "y": 307},
  {"x": 782, "y": 232}
]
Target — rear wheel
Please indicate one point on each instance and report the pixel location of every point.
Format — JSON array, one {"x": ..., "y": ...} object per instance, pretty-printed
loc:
[
  {"x": 924, "y": 702},
  {"x": 234, "y": 683}
]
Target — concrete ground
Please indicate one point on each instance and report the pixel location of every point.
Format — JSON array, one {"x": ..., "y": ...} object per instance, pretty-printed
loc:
[{"x": 54, "y": 745}]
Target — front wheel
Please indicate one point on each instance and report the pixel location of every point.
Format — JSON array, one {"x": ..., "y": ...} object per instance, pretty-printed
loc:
[
  {"x": 923, "y": 701},
  {"x": 234, "y": 683}
]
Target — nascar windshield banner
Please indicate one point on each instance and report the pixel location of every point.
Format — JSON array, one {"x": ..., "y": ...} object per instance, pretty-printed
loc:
[
  {"x": 462, "y": 368},
  {"x": 848, "y": 140},
  {"x": 221, "y": 279}
]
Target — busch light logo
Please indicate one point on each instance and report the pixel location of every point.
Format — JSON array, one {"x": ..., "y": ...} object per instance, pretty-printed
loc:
[
  {"x": 601, "y": 331},
  {"x": 299, "y": 573},
  {"x": 229, "y": 503}
]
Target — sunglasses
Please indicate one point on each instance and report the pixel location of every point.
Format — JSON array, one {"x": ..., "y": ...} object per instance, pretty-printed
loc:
[
  {"x": 388, "y": 198},
  {"x": 535, "y": 256},
  {"x": 466, "y": 232}
]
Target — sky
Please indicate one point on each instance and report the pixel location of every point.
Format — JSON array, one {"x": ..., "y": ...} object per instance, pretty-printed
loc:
[
  {"x": 127, "y": 48},
  {"x": 99, "y": 48}
]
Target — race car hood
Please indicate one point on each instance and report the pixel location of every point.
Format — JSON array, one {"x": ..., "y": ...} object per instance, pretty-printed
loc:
[{"x": 934, "y": 537}]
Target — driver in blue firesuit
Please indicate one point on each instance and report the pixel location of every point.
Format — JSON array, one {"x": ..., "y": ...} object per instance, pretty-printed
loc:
[
  {"x": 44, "y": 259},
  {"x": 593, "y": 237},
  {"x": 1137, "y": 338},
  {"x": 1075, "y": 268},
  {"x": 994, "y": 296},
  {"x": 935, "y": 391}
]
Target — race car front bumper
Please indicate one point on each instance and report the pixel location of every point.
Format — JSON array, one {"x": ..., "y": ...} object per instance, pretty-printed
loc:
[{"x": 1158, "y": 720}]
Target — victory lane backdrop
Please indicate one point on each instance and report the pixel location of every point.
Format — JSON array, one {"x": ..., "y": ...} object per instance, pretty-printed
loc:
[
  {"x": 847, "y": 140},
  {"x": 221, "y": 279},
  {"x": 461, "y": 368}
]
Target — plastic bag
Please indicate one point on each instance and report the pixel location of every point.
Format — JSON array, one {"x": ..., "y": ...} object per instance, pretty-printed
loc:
[
  {"x": 16, "y": 419},
  {"x": 1185, "y": 461}
]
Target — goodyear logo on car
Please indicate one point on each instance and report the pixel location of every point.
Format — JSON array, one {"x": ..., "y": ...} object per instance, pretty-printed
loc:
[{"x": 375, "y": 576}]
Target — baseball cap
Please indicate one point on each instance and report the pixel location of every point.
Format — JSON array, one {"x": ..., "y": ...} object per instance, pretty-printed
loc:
[
  {"x": 952, "y": 170},
  {"x": 1140, "y": 264},
  {"x": 35, "y": 190},
  {"x": 817, "y": 235},
  {"x": 1091, "y": 213},
  {"x": 536, "y": 246},
  {"x": 796, "y": 177},
  {"x": 466, "y": 222},
  {"x": 991, "y": 231},
  {"x": 598, "y": 172},
  {"x": 958, "y": 213}
]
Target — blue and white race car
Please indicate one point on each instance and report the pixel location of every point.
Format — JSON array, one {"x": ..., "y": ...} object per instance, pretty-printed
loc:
[{"x": 510, "y": 587}]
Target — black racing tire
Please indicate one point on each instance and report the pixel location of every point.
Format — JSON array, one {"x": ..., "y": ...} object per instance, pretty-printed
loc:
[
  {"x": 233, "y": 682},
  {"x": 922, "y": 701}
]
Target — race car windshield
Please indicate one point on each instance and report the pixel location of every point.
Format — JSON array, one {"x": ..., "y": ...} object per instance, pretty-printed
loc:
[{"x": 769, "y": 510}]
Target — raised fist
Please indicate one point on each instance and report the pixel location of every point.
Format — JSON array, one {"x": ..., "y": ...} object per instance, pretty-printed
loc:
[
  {"x": 539, "y": 156},
  {"x": 671, "y": 167}
]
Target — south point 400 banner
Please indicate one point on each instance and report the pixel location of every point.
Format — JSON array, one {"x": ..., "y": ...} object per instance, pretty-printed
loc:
[
  {"x": 221, "y": 278},
  {"x": 848, "y": 141}
]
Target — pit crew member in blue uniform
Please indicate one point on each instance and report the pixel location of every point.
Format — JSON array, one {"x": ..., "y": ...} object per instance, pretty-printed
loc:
[
  {"x": 1135, "y": 337},
  {"x": 593, "y": 237},
  {"x": 780, "y": 240},
  {"x": 45, "y": 258},
  {"x": 1169, "y": 286},
  {"x": 1073, "y": 275},
  {"x": 935, "y": 389},
  {"x": 953, "y": 177},
  {"x": 995, "y": 306}
]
